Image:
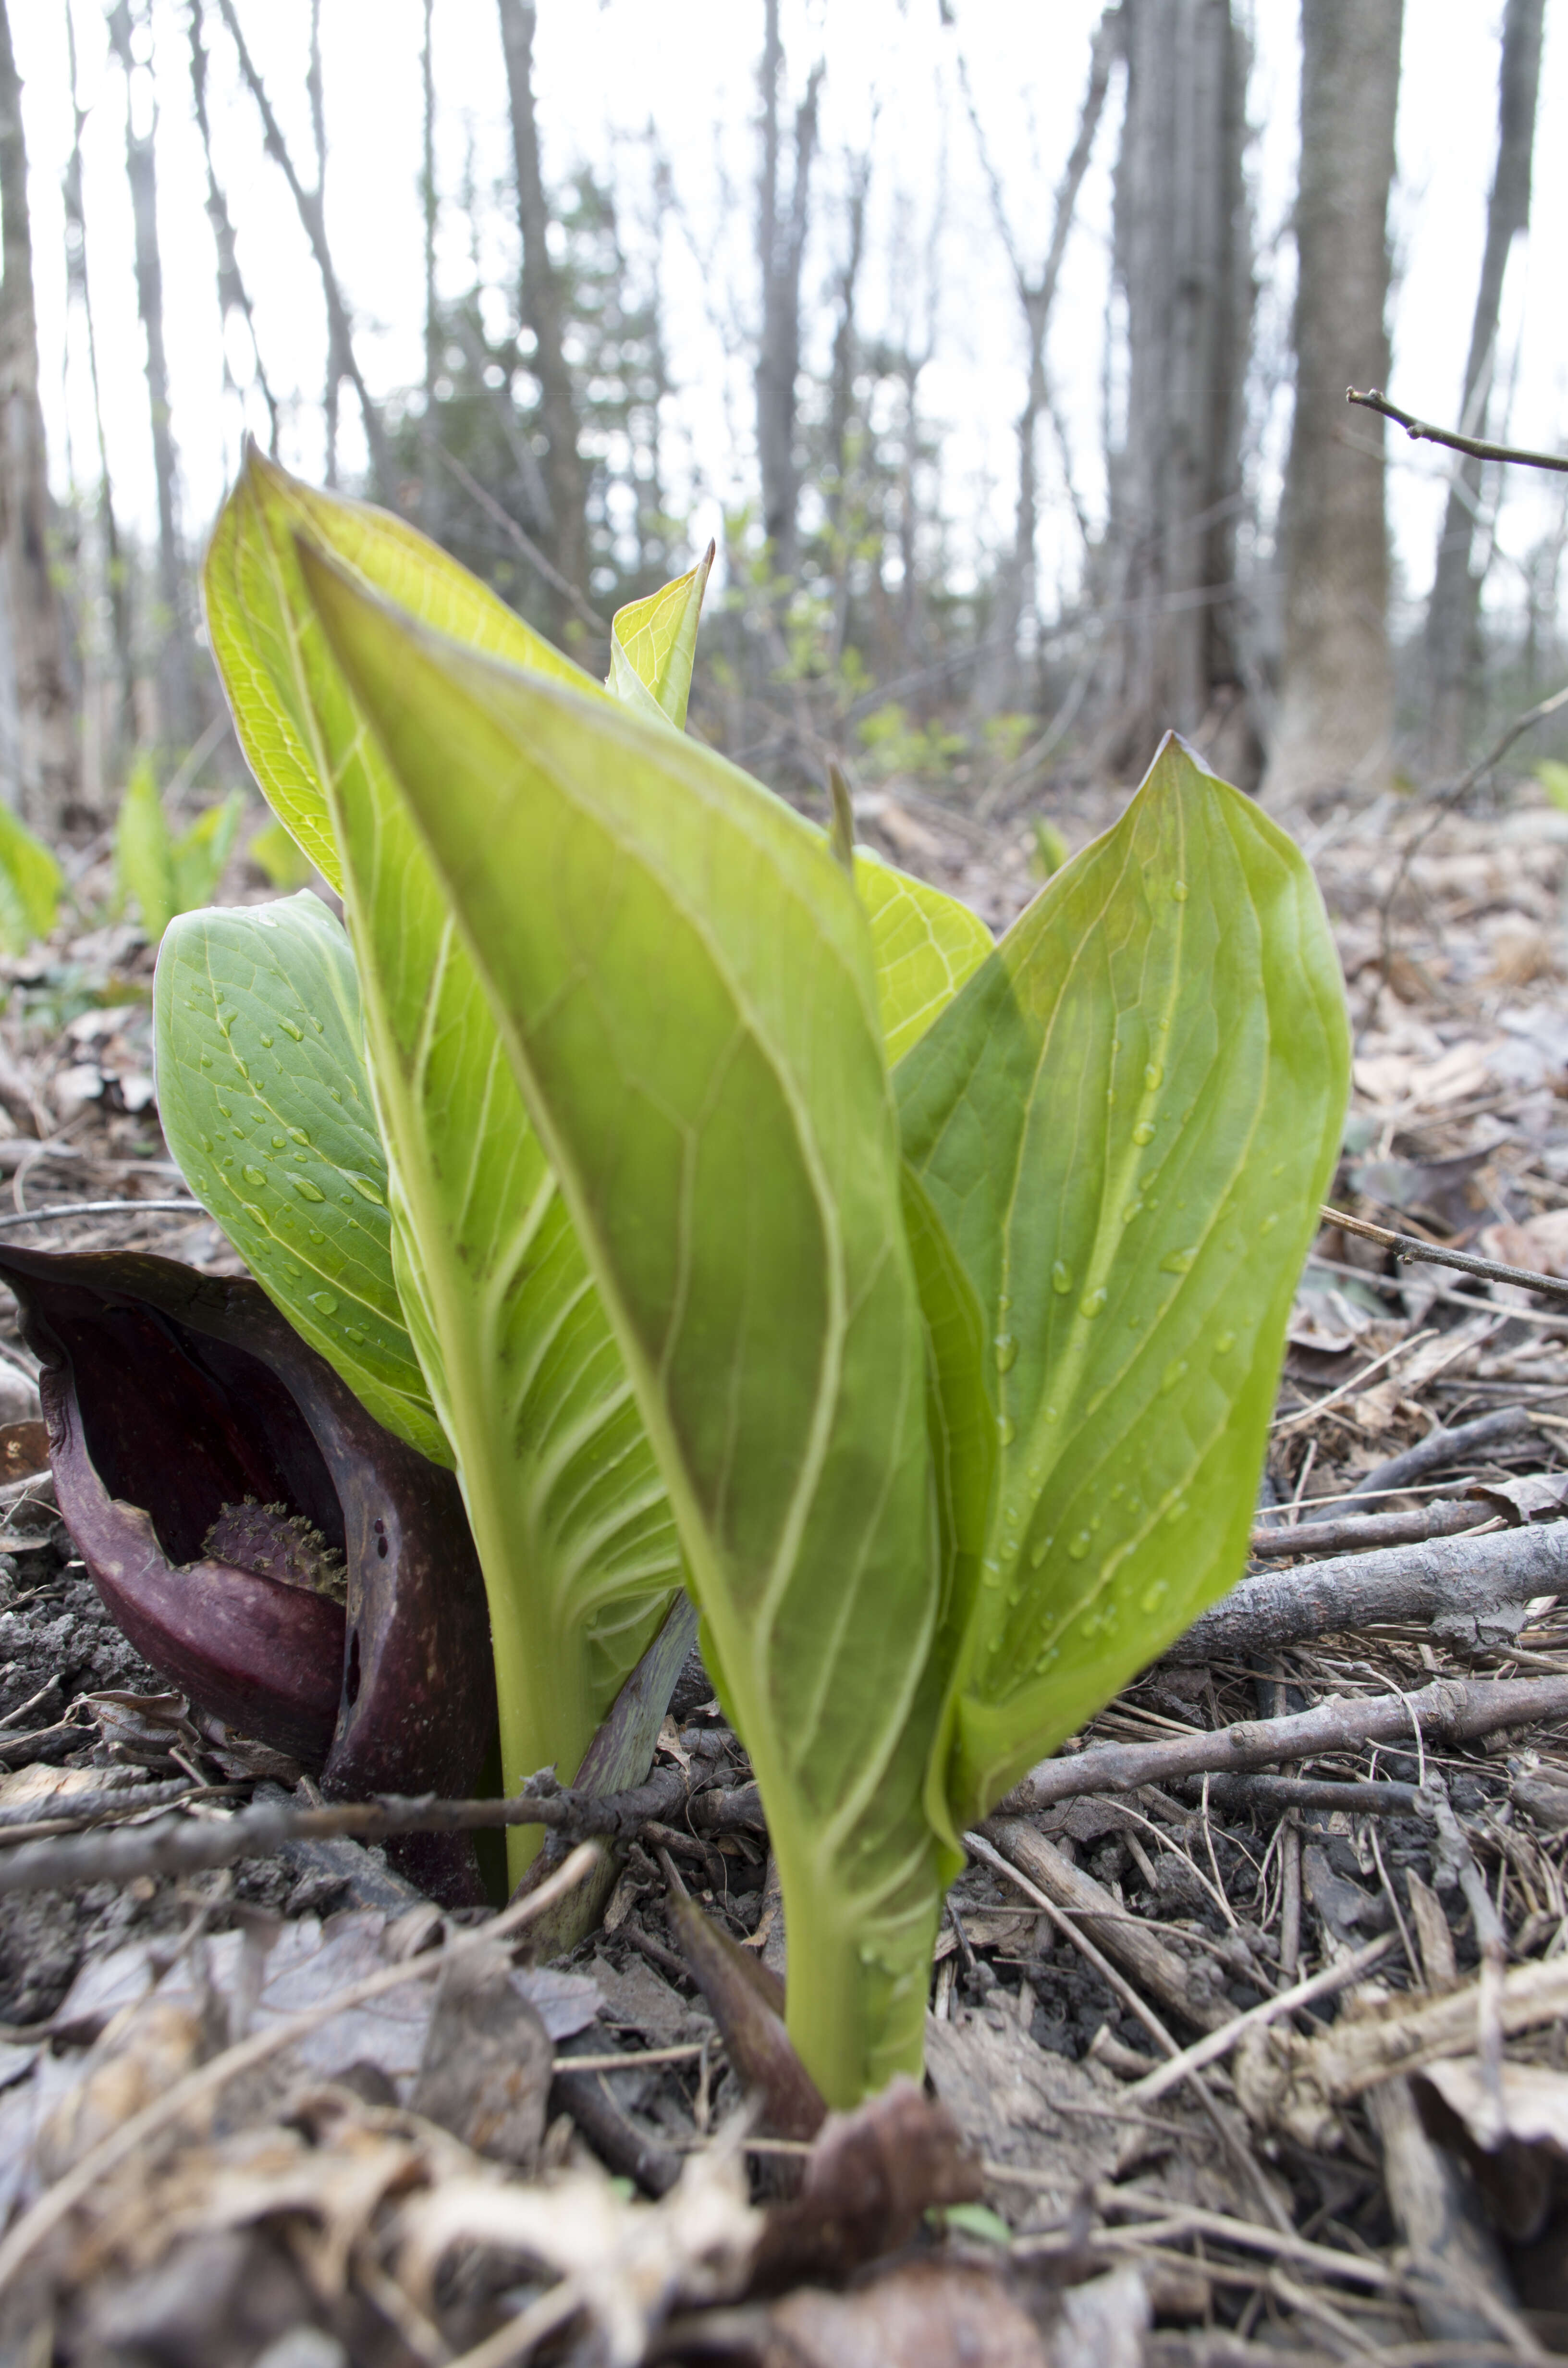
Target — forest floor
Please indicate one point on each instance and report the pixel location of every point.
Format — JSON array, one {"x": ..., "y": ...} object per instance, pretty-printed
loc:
[{"x": 1240, "y": 2048}]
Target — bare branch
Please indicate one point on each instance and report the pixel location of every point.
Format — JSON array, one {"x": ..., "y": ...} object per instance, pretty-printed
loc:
[
  {"x": 1421, "y": 432},
  {"x": 1409, "y": 1245},
  {"x": 1452, "y": 1710}
]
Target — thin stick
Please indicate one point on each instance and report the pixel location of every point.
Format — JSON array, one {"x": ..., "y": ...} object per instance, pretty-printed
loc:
[
  {"x": 1421, "y": 432},
  {"x": 530, "y": 550},
  {"x": 1210, "y": 2049},
  {"x": 978, "y": 1847},
  {"x": 1450, "y": 1710},
  {"x": 1409, "y": 1245},
  {"x": 1349, "y": 1389},
  {"x": 104, "y": 1209},
  {"x": 205, "y": 2082}
]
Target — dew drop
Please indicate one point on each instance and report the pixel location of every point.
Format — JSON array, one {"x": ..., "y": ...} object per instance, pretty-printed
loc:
[
  {"x": 1079, "y": 1546},
  {"x": 1061, "y": 1279},
  {"x": 206, "y": 1060},
  {"x": 223, "y": 1111},
  {"x": 278, "y": 1142},
  {"x": 267, "y": 1039},
  {"x": 1006, "y": 1430},
  {"x": 1224, "y": 1344},
  {"x": 252, "y": 1176},
  {"x": 253, "y": 1213},
  {"x": 205, "y": 1141},
  {"x": 1038, "y": 1551},
  {"x": 289, "y": 1030},
  {"x": 1048, "y": 1659},
  {"x": 1178, "y": 891},
  {"x": 315, "y": 1023},
  {"x": 350, "y": 1333},
  {"x": 1143, "y": 1131},
  {"x": 1003, "y": 1302},
  {"x": 333, "y": 1092},
  {"x": 368, "y": 1189},
  {"x": 306, "y": 1190},
  {"x": 1050, "y": 1413},
  {"x": 1153, "y": 1596},
  {"x": 1155, "y": 1076},
  {"x": 1006, "y": 1347},
  {"x": 227, "y": 1015},
  {"x": 1133, "y": 1209},
  {"x": 1269, "y": 1223},
  {"x": 314, "y": 1234},
  {"x": 1173, "y": 1374},
  {"x": 324, "y": 1301},
  {"x": 1091, "y": 1303},
  {"x": 1179, "y": 1262},
  {"x": 292, "y": 1271}
]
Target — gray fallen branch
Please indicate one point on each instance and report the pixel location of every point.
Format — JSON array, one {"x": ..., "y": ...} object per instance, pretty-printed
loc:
[
  {"x": 1477, "y": 1588},
  {"x": 184, "y": 1845},
  {"x": 1274, "y": 1794},
  {"x": 1100, "y": 1914},
  {"x": 1362, "y": 1533},
  {"x": 1411, "y": 1246},
  {"x": 1441, "y": 1450},
  {"x": 1450, "y": 1710}
]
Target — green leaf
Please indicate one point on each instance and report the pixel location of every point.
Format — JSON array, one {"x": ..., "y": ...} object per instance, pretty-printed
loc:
[
  {"x": 144, "y": 853},
  {"x": 925, "y": 945},
  {"x": 1124, "y": 1125},
  {"x": 266, "y": 1105},
  {"x": 274, "y": 852},
  {"x": 652, "y": 643},
  {"x": 199, "y": 857},
  {"x": 252, "y": 618},
  {"x": 1554, "y": 779},
  {"x": 683, "y": 980},
  {"x": 574, "y": 1529},
  {"x": 31, "y": 886}
]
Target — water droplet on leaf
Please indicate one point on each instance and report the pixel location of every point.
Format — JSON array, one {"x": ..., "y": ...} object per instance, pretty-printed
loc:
[
  {"x": 306, "y": 1190},
  {"x": 1061, "y": 1279},
  {"x": 1091, "y": 1303},
  {"x": 289, "y": 1030},
  {"x": 324, "y": 1301},
  {"x": 1006, "y": 1347}
]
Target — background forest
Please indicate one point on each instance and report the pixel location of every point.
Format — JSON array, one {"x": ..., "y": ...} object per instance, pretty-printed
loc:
[{"x": 1010, "y": 385}]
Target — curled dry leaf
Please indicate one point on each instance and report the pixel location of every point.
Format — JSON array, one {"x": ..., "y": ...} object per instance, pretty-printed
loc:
[
  {"x": 171, "y": 1399},
  {"x": 869, "y": 2179}
]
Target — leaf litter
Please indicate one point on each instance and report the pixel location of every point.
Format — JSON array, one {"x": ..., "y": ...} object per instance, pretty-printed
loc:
[{"x": 425, "y": 2178}]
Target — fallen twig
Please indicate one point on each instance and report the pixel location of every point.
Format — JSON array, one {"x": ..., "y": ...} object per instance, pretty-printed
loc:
[
  {"x": 1464, "y": 1578},
  {"x": 1216, "y": 2043},
  {"x": 1443, "y": 1450},
  {"x": 1450, "y": 1710},
  {"x": 1445, "y": 1517},
  {"x": 1411, "y": 1246},
  {"x": 183, "y": 1845},
  {"x": 102, "y": 1209},
  {"x": 1272, "y": 1793},
  {"x": 199, "y": 2087}
]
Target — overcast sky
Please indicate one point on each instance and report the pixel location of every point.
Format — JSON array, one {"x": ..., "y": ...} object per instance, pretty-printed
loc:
[{"x": 616, "y": 78}]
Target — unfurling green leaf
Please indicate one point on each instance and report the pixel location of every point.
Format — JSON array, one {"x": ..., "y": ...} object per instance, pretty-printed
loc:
[
  {"x": 31, "y": 886},
  {"x": 574, "y": 1529},
  {"x": 165, "y": 874},
  {"x": 713, "y": 1098},
  {"x": 1124, "y": 1123},
  {"x": 654, "y": 641},
  {"x": 266, "y": 1106}
]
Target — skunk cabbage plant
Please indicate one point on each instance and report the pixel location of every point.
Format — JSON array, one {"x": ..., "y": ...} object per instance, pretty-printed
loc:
[{"x": 753, "y": 1222}]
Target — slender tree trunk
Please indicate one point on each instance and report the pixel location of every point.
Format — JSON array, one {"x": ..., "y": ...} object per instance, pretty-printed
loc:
[
  {"x": 1017, "y": 585},
  {"x": 116, "y": 711},
  {"x": 430, "y": 490},
  {"x": 544, "y": 311},
  {"x": 312, "y": 217},
  {"x": 44, "y": 768},
  {"x": 315, "y": 92},
  {"x": 780, "y": 246},
  {"x": 232, "y": 295},
  {"x": 1453, "y": 613},
  {"x": 1184, "y": 260},
  {"x": 141, "y": 172},
  {"x": 841, "y": 400},
  {"x": 1335, "y": 720}
]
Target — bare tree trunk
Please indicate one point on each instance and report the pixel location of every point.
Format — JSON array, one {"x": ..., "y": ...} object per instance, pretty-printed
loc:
[
  {"x": 1017, "y": 587},
  {"x": 141, "y": 172},
  {"x": 1335, "y": 721},
  {"x": 841, "y": 399},
  {"x": 43, "y": 783},
  {"x": 1184, "y": 260},
  {"x": 114, "y": 716},
  {"x": 232, "y": 295},
  {"x": 1453, "y": 613},
  {"x": 544, "y": 312},
  {"x": 316, "y": 94},
  {"x": 780, "y": 249},
  {"x": 430, "y": 489},
  {"x": 312, "y": 217}
]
